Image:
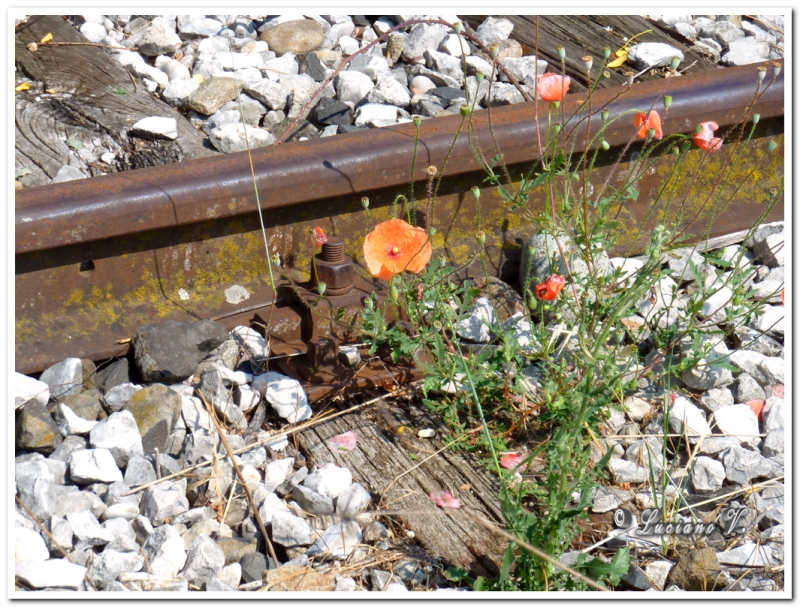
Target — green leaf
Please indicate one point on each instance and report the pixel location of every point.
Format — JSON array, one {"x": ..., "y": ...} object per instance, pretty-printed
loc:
[
  {"x": 75, "y": 144},
  {"x": 508, "y": 560},
  {"x": 121, "y": 91},
  {"x": 598, "y": 569},
  {"x": 456, "y": 574}
]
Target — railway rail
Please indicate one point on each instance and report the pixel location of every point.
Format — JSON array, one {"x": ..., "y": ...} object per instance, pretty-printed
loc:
[{"x": 98, "y": 258}]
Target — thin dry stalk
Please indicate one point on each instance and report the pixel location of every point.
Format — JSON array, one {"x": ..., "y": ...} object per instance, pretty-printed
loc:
[
  {"x": 43, "y": 528},
  {"x": 252, "y": 503},
  {"x": 273, "y": 438}
]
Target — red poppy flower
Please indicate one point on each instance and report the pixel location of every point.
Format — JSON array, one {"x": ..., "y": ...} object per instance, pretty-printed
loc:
[
  {"x": 394, "y": 246},
  {"x": 552, "y": 87},
  {"x": 550, "y": 288},
  {"x": 645, "y": 122},
  {"x": 705, "y": 139},
  {"x": 319, "y": 237}
]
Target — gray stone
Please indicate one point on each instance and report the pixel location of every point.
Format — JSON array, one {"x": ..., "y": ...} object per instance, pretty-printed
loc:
[
  {"x": 252, "y": 111},
  {"x": 636, "y": 579},
  {"x": 647, "y": 55},
  {"x": 87, "y": 404},
  {"x": 285, "y": 394},
  {"x": 253, "y": 564},
  {"x": 435, "y": 77},
  {"x": 524, "y": 69},
  {"x": 337, "y": 541},
  {"x": 204, "y": 559},
  {"x": 330, "y": 480},
  {"x": 230, "y": 138},
  {"x": 214, "y": 584},
  {"x": 289, "y": 530},
  {"x": 119, "y": 434},
  {"x": 156, "y": 127},
  {"x": 747, "y": 554},
  {"x": 231, "y": 575},
  {"x": 209, "y": 97},
  {"x": 28, "y": 390},
  {"x": 504, "y": 94},
  {"x": 164, "y": 500},
  {"x": 353, "y": 87},
  {"x": 235, "y": 549},
  {"x": 763, "y": 232},
  {"x": 69, "y": 500},
  {"x": 684, "y": 416},
  {"x": 380, "y": 579},
  {"x": 421, "y": 84},
  {"x": 376, "y": 115},
  {"x": 454, "y": 45},
  {"x": 68, "y": 173},
  {"x": 139, "y": 471},
  {"x": 108, "y": 565},
  {"x": 69, "y": 423},
  {"x": 213, "y": 388},
  {"x": 53, "y": 573},
  {"x": 740, "y": 422},
  {"x": 376, "y": 532},
  {"x": 724, "y": 32},
  {"x": 771, "y": 320},
  {"x": 64, "y": 378},
  {"x": 708, "y": 475},
  {"x": 198, "y": 27},
  {"x": 277, "y": 68},
  {"x": 444, "y": 64},
  {"x": 609, "y": 498},
  {"x": 93, "y": 466},
  {"x": 421, "y": 37},
  {"x": 773, "y": 414},
  {"x": 745, "y": 51},
  {"x": 311, "y": 501},
  {"x": 36, "y": 430},
  {"x": 628, "y": 472},
  {"x": 745, "y": 389},
  {"x": 636, "y": 408},
  {"x": 29, "y": 545},
  {"x": 61, "y": 532},
  {"x": 159, "y": 39},
  {"x": 156, "y": 410},
  {"x": 331, "y": 38},
  {"x": 494, "y": 30},
  {"x": 715, "y": 398},
  {"x": 123, "y": 510},
  {"x": 118, "y": 396},
  {"x": 773, "y": 446},
  {"x": 277, "y": 472},
  {"x": 742, "y": 466},
  {"x": 172, "y": 350},
  {"x": 657, "y": 572},
  {"x": 271, "y": 93},
  {"x": 87, "y": 530},
  {"x": 477, "y": 327},
  {"x": 165, "y": 552},
  {"x": 389, "y": 91},
  {"x": 345, "y": 584},
  {"x": 769, "y": 506},
  {"x": 687, "y": 31}
]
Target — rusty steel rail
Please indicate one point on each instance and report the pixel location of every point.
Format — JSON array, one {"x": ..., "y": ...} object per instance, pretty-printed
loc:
[{"x": 98, "y": 258}]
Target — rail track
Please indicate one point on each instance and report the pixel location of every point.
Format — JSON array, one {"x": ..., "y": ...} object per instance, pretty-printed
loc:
[{"x": 98, "y": 258}]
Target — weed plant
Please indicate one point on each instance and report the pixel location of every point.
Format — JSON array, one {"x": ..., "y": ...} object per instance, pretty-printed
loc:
[{"x": 576, "y": 352}]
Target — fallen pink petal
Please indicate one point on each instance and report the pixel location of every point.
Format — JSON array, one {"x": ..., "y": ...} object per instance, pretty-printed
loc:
[
  {"x": 343, "y": 442},
  {"x": 511, "y": 461},
  {"x": 445, "y": 499}
]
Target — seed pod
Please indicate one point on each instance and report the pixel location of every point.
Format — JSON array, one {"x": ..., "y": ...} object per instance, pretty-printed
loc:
[
  {"x": 476, "y": 192},
  {"x": 762, "y": 73},
  {"x": 587, "y": 61},
  {"x": 417, "y": 121},
  {"x": 675, "y": 63},
  {"x": 606, "y": 53},
  {"x": 605, "y": 145},
  {"x": 481, "y": 237},
  {"x": 604, "y": 115},
  {"x": 494, "y": 50},
  {"x": 756, "y": 118},
  {"x": 464, "y": 110},
  {"x": 562, "y": 53},
  {"x": 667, "y": 101},
  {"x": 771, "y": 145},
  {"x": 365, "y": 202},
  {"x": 321, "y": 288}
]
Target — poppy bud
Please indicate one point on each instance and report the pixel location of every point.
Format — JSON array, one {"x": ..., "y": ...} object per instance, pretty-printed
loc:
[
  {"x": 605, "y": 145},
  {"x": 532, "y": 303},
  {"x": 365, "y": 202},
  {"x": 685, "y": 147},
  {"x": 756, "y": 118},
  {"x": 667, "y": 101},
  {"x": 393, "y": 293},
  {"x": 698, "y": 129},
  {"x": 762, "y": 73},
  {"x": 480, "y": 237},
  {"x": 494, "y": 50},
  {"x": 476, "y": 192},
  {"x": 675, "y": 151},
  {"x": 457, "y": 27},
  {"x": 587, "y": 61},
  {"x": 479, "y": 77},
  {"x": 675, "y": 63},
  {"x": 442, "y": 260},
  {"x": 556, "y": 104},
  {"x": 557, "y": 129},
  {"x": 321, "y": 288},
  {"x": 431, "y": 232},
  {"x": 562, "y": 53},
  {"x": 771, "y": 145},
  {"x": 417, "y": 121},
  {"x": 604, "y": 115},
  {"x": 464, "y": 110},
  {"x": 368, "y": 303},
  {"x": 606, "y": 53}
]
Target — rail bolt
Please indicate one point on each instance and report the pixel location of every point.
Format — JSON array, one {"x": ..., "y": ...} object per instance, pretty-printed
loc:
[{"x": 334, "y": 268}]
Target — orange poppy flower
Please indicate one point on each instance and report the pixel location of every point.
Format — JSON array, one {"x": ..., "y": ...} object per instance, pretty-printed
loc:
[
  {"x": 319, "y": 237},
  {"x": 783, "y": 302},
  {"x": 645, "y": 122},
  {"x": 552, "y": 87},
  {"x": 394, "y": 246},
  {"x": 550, "y": 288},
  {"x": 705, "y": 139}
]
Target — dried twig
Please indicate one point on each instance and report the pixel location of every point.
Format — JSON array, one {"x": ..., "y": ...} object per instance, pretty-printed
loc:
[
  {"x": 229, "y": 451},
  {"x": 43, "y": 528}
]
